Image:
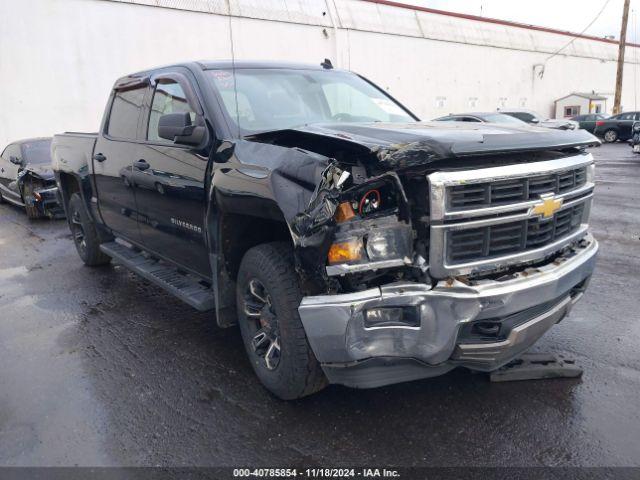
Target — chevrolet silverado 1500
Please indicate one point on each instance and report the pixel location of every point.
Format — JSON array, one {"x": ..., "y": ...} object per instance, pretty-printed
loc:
[{"x": 350, "y": 242}]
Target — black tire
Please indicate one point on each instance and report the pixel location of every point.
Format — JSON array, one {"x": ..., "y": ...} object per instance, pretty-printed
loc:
[
  {"x": 296, "y": 373},
  {"x": 85, "y": 236},
  {"x": 1, "y": 198},
  {"x": 610, "y": 136}
]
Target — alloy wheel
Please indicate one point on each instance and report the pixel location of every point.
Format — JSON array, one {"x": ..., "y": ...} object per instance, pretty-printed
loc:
[
  {"x": 263, "y": 324},
  {"x": 78, "y": 231}
]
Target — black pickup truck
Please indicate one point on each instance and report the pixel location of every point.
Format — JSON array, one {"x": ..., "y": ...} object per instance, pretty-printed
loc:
[{"x": 350, "y": 242}]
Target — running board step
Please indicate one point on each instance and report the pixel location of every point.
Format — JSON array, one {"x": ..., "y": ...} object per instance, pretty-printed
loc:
[{"x": 184, "y": 286}]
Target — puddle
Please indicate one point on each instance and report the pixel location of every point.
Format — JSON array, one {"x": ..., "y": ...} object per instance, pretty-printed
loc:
[{"x": 12, "y": 272}]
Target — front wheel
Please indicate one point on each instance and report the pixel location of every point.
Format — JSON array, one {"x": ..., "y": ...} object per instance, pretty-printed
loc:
[
  {"x": 610, "y": 136},
  {"x": 268, "y": 296},
  {"x": 85, "y": 236}
]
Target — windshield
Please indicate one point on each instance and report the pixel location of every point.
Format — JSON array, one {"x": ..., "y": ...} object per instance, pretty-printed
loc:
[
  {"x": 501, "y": 118},
  {"x": 275, "y": 99},
  {"x": 37, "y": 151}
]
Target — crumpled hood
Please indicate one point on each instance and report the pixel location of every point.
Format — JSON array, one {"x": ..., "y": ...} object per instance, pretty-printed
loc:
[
  {"x": 43, "y": 171},
  {"x": 453, "y": 138},
  {"x": 400, "y": 145}
]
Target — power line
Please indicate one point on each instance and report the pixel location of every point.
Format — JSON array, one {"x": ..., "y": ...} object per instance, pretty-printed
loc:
[{"x": 579, "y": 34}]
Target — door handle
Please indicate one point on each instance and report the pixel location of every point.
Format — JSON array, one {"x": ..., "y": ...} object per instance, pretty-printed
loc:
[
  {"x": 141, "y": 164},
  {"x": 98, "y": 157}
]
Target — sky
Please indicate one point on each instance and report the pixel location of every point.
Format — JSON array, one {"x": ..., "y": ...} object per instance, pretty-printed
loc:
[{"x": 572, "y": 15}]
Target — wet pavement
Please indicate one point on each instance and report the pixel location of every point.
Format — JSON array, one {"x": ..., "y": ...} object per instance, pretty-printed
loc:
[{"x": 97, "y": 367}]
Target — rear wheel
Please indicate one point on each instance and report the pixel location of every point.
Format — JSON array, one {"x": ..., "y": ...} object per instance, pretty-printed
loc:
[
  {"x": 268, "y": 296},
  {"x": 85, "y": 236},
  {"x": 610, "y": 136}
]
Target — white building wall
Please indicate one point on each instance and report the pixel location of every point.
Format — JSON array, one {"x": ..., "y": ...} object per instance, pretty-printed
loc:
[{"x": 59, "y": 58}]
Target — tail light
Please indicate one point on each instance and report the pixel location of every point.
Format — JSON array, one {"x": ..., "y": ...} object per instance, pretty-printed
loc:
[{"x": 599, "y": 123}]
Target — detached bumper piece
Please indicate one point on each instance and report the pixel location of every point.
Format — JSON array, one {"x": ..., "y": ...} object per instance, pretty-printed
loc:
[
  {"x": 537, "y": 366},
  {"x": 407, "y": 331}
]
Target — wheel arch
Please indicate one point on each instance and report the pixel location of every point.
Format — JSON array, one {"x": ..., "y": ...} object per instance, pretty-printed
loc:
[{"x": 230, "y": 236}]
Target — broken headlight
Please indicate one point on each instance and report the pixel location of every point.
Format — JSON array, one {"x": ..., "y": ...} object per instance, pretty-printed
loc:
[
  {"x": 370, "y": 244},
  {"x": 388, "y": 243}
]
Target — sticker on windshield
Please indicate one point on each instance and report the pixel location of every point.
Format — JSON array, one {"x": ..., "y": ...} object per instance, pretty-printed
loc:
[
  {"x": 223, "y": 78},
  {"x": 388, "y": 106}
]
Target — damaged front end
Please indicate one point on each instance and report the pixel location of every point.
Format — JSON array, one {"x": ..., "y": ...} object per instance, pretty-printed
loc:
[
  {"x": 422, "y": 258},
  {"x": 40, "y": 193},
  {"x": 355, "y": 234}
]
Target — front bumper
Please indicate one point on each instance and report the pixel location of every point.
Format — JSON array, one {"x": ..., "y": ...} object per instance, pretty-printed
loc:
[{"x": 525, "y": 306}]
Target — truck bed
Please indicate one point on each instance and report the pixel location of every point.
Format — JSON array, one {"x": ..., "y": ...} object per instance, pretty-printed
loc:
[{"x": 71, "y": 151}]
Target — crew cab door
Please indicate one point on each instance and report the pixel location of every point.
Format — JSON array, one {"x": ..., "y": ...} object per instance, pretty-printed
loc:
[
  {"x": 113, "y": 156},
  {"x": 169, "y": 179},
  {"x": 9, "y": 168}
]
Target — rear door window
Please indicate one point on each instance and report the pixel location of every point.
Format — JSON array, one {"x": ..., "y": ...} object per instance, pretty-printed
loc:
[{"x": 125, "y": 113}]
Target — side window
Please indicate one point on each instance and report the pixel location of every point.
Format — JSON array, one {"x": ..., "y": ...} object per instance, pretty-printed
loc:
[
  {"x": 470, "y": 119},
  {"x": 169, "y": 97},
  {"x": 571, "y": 110},
  {"x": 12, "y": 151},
  {"x": 525, "y": 117},
  {"x": 125, "y": 112}
]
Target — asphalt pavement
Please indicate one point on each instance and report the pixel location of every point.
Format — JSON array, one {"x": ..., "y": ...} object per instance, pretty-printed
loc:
[{"x": 100, "y": 368}]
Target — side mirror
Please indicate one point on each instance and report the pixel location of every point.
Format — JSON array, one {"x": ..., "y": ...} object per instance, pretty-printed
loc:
[
  {"x": 178, "y": 128},
  {"x": 535, "y": 120},
  {"x": 15, "y": 160}
]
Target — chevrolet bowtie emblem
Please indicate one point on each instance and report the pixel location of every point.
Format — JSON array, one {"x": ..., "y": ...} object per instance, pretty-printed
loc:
[{"x": 547, "y": 207}]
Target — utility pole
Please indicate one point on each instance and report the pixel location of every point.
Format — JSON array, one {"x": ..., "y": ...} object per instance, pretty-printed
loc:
[{"x": 623, "y": 41}]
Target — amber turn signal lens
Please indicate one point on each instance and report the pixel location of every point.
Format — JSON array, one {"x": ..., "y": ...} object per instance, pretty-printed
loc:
[
  {"x": 344, "y": 212},
  {"x": 343, "y": 252}
]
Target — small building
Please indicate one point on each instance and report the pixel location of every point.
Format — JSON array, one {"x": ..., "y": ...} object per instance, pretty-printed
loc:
[{"x": 580, "y": 103}]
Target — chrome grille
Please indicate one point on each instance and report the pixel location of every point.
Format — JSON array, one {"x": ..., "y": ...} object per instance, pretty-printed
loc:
[
  {"x": 488, "y": 219},
  {"x": 483, "y": 195},
  {"x": 512, "y": 237}
]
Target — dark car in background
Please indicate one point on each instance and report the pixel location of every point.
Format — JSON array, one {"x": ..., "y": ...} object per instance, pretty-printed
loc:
[
  {"x": 27, "y": 180},
  {"x": 534, "y": 118},
  {"x": 616, "y": 127},
  {"x": 482, "y": 117},
  {"x": 588, "y": 121}
]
